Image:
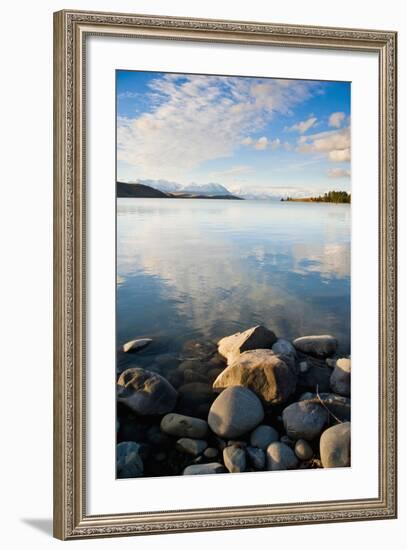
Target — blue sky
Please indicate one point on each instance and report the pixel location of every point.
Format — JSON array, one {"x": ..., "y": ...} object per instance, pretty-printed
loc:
[{"x": 252, "y": 135}]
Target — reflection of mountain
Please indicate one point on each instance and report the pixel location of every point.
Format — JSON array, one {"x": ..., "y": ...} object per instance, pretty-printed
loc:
[
  {"x": 140, "y": 190},
  {"x": 226, "y": 266}
]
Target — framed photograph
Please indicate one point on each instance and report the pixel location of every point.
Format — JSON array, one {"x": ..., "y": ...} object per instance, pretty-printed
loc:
[{"x": 225, "y": 249}]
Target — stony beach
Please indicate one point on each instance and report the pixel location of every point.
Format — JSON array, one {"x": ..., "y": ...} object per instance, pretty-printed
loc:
[{"x": 250, "y": 402}]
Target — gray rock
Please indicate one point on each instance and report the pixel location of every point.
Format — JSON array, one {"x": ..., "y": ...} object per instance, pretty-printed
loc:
[
  {"x": 287, "y": 441},
  {"x": 304, "y": 420},
  {"x": 192, "y": 447},
  {"x": 256, "y": 457},
  {"x": 184, "y": 426},
  {"x": 237, "y": 443},
  {"x": 261, "y": 371},
  {"x": 234, "y": 459},
  {"x": 286, "y": 352},
  {"x": 234, "y": 412},
  {"x": 280, "y": 457},
  {"x": 319, "y": 346},
  {"x": 210, "y": 468},
  {"x": 145, "y": 392},
  {"x": 210, "y": 452},
  {"x": 334, "y": 446},
  {"x": 136, "y": 345},
  {"x": 303, "y": 450},
  {"x": 315, "y": 375},
  {"x": 256, "y": 337},
  {"x": 128, "y": 461},
  {"x": 337, "y": 405},
  {"x": 262, "y": 436},
  {"x": 340, "y": 378},
  {"x": 331, "y": 362},
  {"x": 284, "y": 347}
]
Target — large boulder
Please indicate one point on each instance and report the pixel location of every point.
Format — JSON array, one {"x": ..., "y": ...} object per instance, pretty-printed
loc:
[
  {"x": 262, "y": 436},
  {"x": 145, "y": 392},
  {"x": 340, "y": 377},
  {"x": 210, "y": 468},
  {"x": 261, "y": 371},
  {"x": 128, "y": 460},
  {"x": 305, "y": 420},
  {"x": 257, "y": 337},
  {"x": 334, "y": 446},
  {"x": 234, "y": 412},
  {"x": 184, "y": 426},
  {"x": 280, "y": 457},
  {"x": 320, "y": 346},
  {"x": 234, "y": 459}
]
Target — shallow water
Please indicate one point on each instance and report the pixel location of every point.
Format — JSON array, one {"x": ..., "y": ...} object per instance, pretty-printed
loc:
[{"x": 204, "y": 269}]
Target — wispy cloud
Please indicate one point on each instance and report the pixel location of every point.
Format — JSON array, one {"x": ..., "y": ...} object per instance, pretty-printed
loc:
[
  {"x": 262, "y": 143},
  {"x": 338, "y": 173},
  {"x": 303, "y": 126},
  {"x": 200, "y": 118}
]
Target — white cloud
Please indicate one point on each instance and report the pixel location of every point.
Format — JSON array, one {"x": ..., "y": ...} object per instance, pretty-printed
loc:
[
  {"x": 334, "y": 143},
  {"x": 303, "y": 126},
  {"x": 338, "y": 173},
  {"x": 261, "y": 143},
  {"x": 232, "y": 172},
  {"x": 194, "y": 119},
  {"x": 336, "y": 119}
]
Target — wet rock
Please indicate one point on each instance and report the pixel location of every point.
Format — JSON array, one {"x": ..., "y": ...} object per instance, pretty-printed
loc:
[
  {"x": 193, "y": 447},
  {"x": 340, "y": 378},
  {"x": 145, "y": 392},
  {"x": 210, "y": 468},
  {"x": 334, "y": 446},
  {"x": 314, "y": 376},
  {"x": 303, "y": 450},
  {"x": 175, "y": 378},
  {"x": 136, "y": 345},
  {"x": 280, "y": 457},
  {"x": 261, "y": 371},
  {"x": 262, "y": 436},
  {"x": 184, "y": 426},
  {"x": 234, "y": 412},
  {"x": 210, "y": 452},
  {"x": 234, "y": 459},
  {"x": 167, "y": 361},
  {"x": 128, "y": 461},
  {"x": 194, "y": 365},
  {"x": 194, "y": 376},
  {"x": 286, "y": 352},
  {"x": 199, "y": 348},
  {"x": 256, "y": 337},
  {"x": 256, "y": 457},
  {"x": 319, "y": 346},
  {"x": 236, "y": 443},
  {"x": 304, "y": 420}
]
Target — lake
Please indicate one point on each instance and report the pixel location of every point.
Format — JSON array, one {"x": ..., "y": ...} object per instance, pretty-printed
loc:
[{"x": 204, "y": 269}]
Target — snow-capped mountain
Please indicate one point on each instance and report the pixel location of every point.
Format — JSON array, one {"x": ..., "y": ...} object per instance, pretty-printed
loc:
[{"x": 195, "y": 188}]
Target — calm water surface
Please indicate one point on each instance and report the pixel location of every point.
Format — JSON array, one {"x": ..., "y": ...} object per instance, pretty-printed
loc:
[{"x": 192, "y": 269}]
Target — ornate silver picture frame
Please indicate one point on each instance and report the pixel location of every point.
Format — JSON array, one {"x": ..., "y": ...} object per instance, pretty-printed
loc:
[{"x": 71, "y": 31}]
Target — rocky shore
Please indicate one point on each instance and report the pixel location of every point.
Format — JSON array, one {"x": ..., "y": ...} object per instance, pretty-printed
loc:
[{"x": 251, "y": 402}]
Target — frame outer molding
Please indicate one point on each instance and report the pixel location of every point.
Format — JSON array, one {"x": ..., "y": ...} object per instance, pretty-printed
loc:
[{"x": 70, "y": 519}]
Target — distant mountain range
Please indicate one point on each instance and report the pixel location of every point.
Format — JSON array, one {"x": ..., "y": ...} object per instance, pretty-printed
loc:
[{"x": 193, "y": 191}]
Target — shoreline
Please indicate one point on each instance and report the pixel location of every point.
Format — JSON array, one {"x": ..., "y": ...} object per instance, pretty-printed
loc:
[{"x": 251, "y": 402}]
